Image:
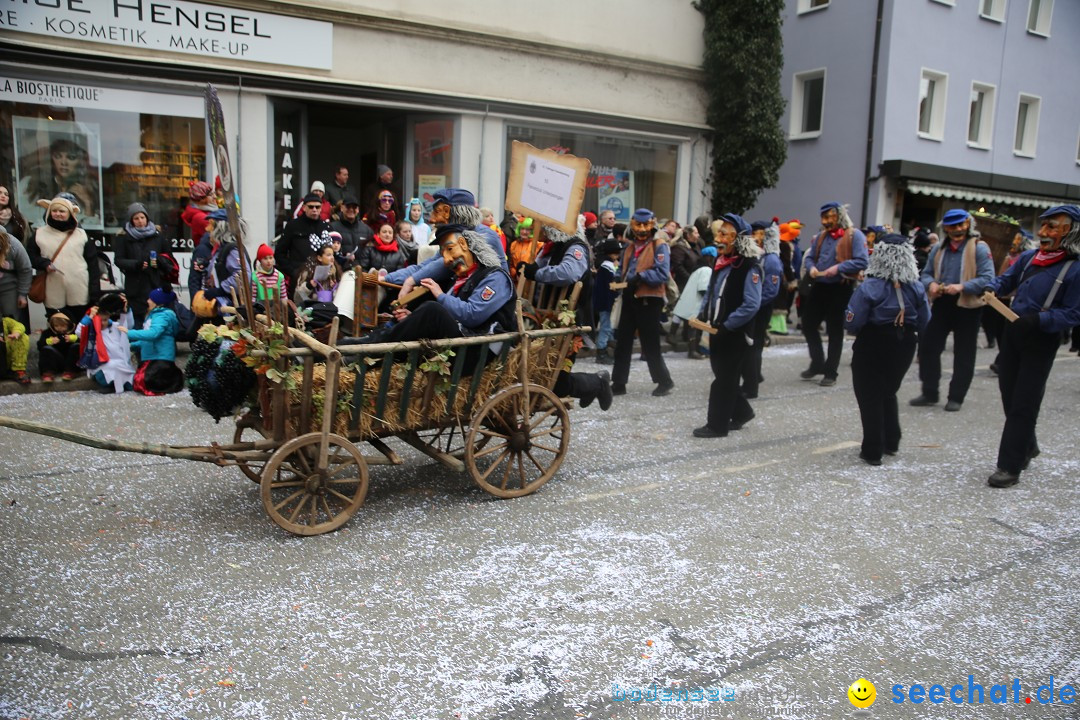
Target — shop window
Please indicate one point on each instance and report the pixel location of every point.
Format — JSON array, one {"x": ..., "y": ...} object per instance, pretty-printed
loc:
[
  {"x": 1039, "y": 12},
  {"x": 108, "y": 156},
  {"x": 807, "y": 104},
  {"x": 993, "y": 10},
  {"x": 808, "y": 5},
  {"x": 932, "y": 92},
  {"x": 1027, "y": 126},
  {"x": 981, "y": 116},
  {"x": 627, "y": 173},
  {"x": 433, "y": 158}
]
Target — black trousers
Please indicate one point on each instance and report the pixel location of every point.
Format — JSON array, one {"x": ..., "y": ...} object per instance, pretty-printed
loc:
[
  {"x": 54, "y": 360},
  {"x": 1024, "y": 364},
  {"x": 576, "y": 384},
  {"x": 880, "y": 358},
  {"x": 727, "y": 354},
  {"x": 752, "y": 367},
  {"x": 948, "y": 317},
  {"x": 641, "y": 316},
  {"x": 828, "y": 302}
]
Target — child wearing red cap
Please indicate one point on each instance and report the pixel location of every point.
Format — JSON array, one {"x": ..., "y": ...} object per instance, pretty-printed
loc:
[{"x": 266, "y": 277}]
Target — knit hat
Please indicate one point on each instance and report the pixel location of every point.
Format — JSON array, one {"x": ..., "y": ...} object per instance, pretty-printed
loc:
[
  {"x": 161, "y": 296},
  {"x": 198, "y": 190},
  {"x": 335, "y": 235},
  {"x": 381, "y": 170},
  {"x": 135, "y": 208},
  {"x": 311, "y": 198},
  {"x": 263, "y": 251},
  {"x": 318, "y": 185},
  {"x": 59, "y": 201},
  {"x": 590, "y": 219},
  {"x": 790, "y": 230}
]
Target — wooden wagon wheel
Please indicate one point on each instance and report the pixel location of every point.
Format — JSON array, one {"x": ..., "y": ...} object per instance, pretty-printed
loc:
[
  {"x": 450, "y": 439},
  {"x": 253, "y": 469},
  {"x": 306, "y": 500},
  {"x": 526, "y": 440}
]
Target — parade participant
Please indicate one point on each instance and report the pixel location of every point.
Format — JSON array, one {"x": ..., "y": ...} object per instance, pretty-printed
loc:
[
  {"x": 300, "y": 239},
  {"x": 452, "y": 206},
  {"x": 157, "y": 373},
  {"x": 564, "y": 260},
  {"x": 478, "y": 299},
  {"x": 690, "y": 300},
  {"x": 266, "y": 279},
  {"x": 772, "y": 275},
  {"x": 730, "y": 305},
  {"x": 834, "y": 262},
  {"x": 885, "y": 314},
  {"x": 58, "y": 349},
  {"x": 1047, "y": 286},
  {"x": 789, "y": 236},
  {"x": 956, "y": 273},
  {"x": 224, "y": 268},
  {"x": 645, "y": 268}
]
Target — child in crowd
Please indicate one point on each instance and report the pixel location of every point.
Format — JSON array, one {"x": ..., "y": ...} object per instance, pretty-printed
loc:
[
  {"x": 156, "y": 345},
  {"x": 58, "y": 349},
  {"x": 104, "y": 349},
  {"x": 266, "y": 277},
  {"x": 319, "y": 277},
  {"x": 690, "y": 300},
  {"x": 17, "y": 348},
  {"x": 604, "y": 297}
]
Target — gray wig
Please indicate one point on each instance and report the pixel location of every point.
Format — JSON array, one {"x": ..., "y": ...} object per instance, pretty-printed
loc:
[
  {"x": 465, "y": 215},
  {"x": 894, "y": 262},
  {"x": 1071, "y": 242},
  {"x": 747, "y": 246},
  {"x": 772, "y": 240},
  {"x": 222, "y": 234},
  {"x": 478, "y": 246}
]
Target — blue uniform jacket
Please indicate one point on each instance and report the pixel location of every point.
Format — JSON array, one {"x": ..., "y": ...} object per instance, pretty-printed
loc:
[
  {"x": 659, "y": 272},
  {"x": 751, "y": 299},
  {"x": 574, "y": 265},
  {"x": 874, "y": 303},
  {"x": 603, "y": 297},
  {"x": 1033, "y": 286},
  {"x": 772, "y": 276},
  {"x": 950, "y": 267},
  {"x": 435, "y": 268},
  {"x": 157, "y": 339},
  {"x": 484, "y": 302},
  {"x": 851, "y": 267}
]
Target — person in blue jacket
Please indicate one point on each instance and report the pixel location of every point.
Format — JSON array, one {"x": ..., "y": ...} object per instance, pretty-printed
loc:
[
  {"x": 886, "y": 313},
  {"x": 730, "y": 305},
  {"x": 155, "y": 342},
  {"x": 834, "y": 261},
  {"x": 1047, "y": 286},
  {"x": 772, "y": 275}
]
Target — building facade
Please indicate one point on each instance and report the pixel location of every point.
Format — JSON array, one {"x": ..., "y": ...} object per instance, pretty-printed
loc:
[
  {"x": 104, "y": 98},
  {"x": 903, "y": 109}
]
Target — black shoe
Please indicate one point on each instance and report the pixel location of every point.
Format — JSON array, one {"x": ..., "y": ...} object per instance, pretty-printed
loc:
[
  {"x": 740, "y": 424},
  {"x": 1033, "y": 453},
  {"x": 618, "y": 389},
  {"x": 663, "y": 389},
  {"x": 810, "y": 372},
  {"x": 891, "y": 451},
  {"x": 605, "y": 394},
  {"x": 869, "y": 460},
  {"x": 603, "y": 357},
  {"x": 1003, "y": 479},
  {"x": 991, "y": 344},
  {"x": 923, "y": 401},
  {"x": 994, "y": 368},
  {"x": 707, "y": 432},
  {"x": 953, "y": 406},
  {"x": 827, "y": 381}
]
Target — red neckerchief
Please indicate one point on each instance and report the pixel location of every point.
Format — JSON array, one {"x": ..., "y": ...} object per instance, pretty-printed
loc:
[
  {"x": 463, "y": 279},
  {"x": 837, "y": 233},
  {"x": 724, "y": 261},
  {"x": 1042, "y": 259},
  {"x": 639, "y": 248},
  {"x": 391, "y": 246}
]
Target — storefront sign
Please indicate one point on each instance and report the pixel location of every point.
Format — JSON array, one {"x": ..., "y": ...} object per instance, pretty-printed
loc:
[
  {"x": 177, "y": 26},
  {"x": 18, "y": 89},
  {"x": 288, "y": 124}
]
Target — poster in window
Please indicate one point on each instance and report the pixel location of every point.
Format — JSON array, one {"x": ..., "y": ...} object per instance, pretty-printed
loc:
[
  {"x": 617, "y": 195},
  {"x": 55, "y": 156}
]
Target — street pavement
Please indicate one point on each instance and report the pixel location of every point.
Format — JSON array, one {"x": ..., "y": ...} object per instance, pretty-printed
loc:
[{"x": 772, "y": 568}]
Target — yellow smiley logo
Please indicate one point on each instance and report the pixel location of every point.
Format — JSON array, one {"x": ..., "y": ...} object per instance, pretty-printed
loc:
[{"x": 862, "y": 693}]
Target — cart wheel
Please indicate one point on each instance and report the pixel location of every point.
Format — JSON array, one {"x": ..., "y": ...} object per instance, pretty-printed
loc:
[
  {"x": 306, "y": 500},
  {"x": 251, "y": 468},
  {"x": 451, "y": 440},
  {"x": 525, "y": 445}
]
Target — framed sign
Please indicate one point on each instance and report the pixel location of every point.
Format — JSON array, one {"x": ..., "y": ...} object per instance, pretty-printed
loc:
[{"x": 547, "y": 186}]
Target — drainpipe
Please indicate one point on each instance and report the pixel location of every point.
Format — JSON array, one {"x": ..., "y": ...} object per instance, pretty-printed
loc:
[{"x": 867, "y": 179}]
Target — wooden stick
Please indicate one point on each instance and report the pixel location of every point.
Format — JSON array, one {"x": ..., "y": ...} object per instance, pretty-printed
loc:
[
  {"x": 618, "y": 286},
  {"x": 992, "y": 300},
  {"x": 702, "y": 326},
  {"x": 409, "y": 297}
]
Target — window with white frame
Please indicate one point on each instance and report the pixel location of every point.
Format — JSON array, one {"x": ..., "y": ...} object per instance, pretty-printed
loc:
[
  {"x": 1027, "y": 125},
  {"x": 992, "y": 10},
  {"x": 932, "y": 92},
  {"x": 1039, "y": 12},
  {"x": 981, "y": 115},
  {"x": 808, "y": 5},
  {"x": 807, "y": 104}
]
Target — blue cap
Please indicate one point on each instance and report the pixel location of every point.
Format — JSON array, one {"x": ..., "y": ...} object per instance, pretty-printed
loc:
[
  {"x": 760, "y": 225},
  {"x": 219, "y": 214},
  {"x": 877, "y": 230},
  {"x": 891, "y": 238},
  {"x": 741, "y": 226},
  {"x": 643, "y": 215},
  {"x": 1026, "y": 234},
  {"x": 955, "y": 216},
  {"x": 1071, "y": 210},
  {"x": 709, "y": 250},
  {"x": 453, "y": 196},
  {"x": 829, "y": 206},
  {"x": 450, "y": 228}
]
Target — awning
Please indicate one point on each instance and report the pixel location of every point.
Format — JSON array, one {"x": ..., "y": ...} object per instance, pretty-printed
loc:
[{"x": 974, "y": 194}]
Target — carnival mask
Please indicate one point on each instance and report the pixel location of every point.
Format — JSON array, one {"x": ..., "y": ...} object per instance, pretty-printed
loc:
[
  {"x": 440, "y": 214},
  {"x": 456, "y": 254},
  {"x": 642, "y": 230}
]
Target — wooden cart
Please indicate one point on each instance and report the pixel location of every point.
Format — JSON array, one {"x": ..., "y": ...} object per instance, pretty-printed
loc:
[{"x": 483, "y": 405}]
